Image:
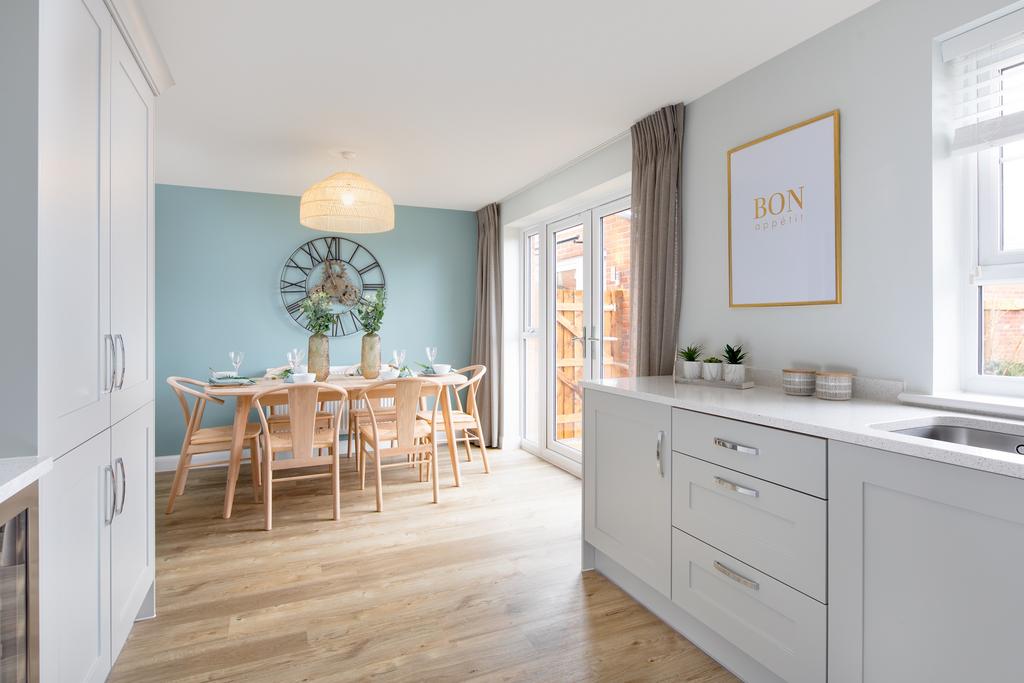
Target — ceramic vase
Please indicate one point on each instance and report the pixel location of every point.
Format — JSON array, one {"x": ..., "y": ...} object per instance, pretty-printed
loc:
[
  {"x": 319, "y": 356},
  {"x": 691, "y": 369},
  {"x": 712, "y": 372},
  {"x": 734, "y": 374},
  {"x": 370, "y": 359}
]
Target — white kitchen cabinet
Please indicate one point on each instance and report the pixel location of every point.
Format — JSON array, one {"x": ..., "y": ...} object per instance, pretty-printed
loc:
[
  {"x": 924, "y": 570},
  {"x": 131, "y": 232},
  {"x": 75, "y": 347},
  {"x": 627, "y": 484},
  {"x": 132, "y": 538},
  {"x": 76, "y": 500}
]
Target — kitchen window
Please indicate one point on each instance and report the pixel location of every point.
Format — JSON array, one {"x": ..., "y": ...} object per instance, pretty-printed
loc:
[{"x": 986, "y": 74}]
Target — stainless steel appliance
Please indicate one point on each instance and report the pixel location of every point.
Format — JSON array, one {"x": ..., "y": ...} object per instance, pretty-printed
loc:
[{"x": 19, "y": 577}]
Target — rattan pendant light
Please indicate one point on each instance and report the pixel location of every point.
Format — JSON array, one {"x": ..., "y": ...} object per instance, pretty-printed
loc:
[{"x": 347, "y": 202}]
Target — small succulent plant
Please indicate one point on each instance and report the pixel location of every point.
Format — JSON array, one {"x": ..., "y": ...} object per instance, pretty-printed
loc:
[
  {"x": 734, "y": 355},
  {"x": 691, "y": 352},
  {"x": 713, "y": 359}
]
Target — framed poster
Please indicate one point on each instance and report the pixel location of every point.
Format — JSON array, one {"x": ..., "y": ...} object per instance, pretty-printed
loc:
[{"x": 784, "y": 217}]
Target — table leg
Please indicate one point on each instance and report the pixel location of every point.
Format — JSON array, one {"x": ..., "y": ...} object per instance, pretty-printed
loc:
[
  {"x": 242, "y": 406},
  {"x": 453, "y": 447}
]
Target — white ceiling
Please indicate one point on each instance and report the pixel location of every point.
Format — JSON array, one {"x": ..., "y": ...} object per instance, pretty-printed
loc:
[{"x": 451, "y": 103}]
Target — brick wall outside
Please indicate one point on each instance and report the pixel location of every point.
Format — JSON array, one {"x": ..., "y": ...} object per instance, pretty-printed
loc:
[{"x": 1003, "y": 326}]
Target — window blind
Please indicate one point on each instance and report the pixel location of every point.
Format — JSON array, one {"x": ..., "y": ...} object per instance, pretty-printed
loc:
[{"x": 986, "y": 71}]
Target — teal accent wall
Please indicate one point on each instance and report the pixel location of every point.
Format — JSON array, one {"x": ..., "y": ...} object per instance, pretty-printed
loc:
[{"x": 219, "y": 256}]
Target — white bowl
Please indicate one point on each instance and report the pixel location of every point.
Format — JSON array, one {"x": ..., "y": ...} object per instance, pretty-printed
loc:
[
  {"x": 303, "y": 377},
  {"x": 223, "y": 374},
  {"x": 388, "y": 373},
  {"x": 441, "y": 368}
]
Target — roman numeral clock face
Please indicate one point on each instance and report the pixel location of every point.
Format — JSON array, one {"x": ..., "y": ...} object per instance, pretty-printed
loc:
[{"x": 344, "y": 269}]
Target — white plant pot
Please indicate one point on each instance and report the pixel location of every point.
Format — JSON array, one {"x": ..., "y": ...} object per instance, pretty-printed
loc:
[
  {"x": 734, "y": 374},
  {"x": 691, "y": 369},
  {"x": 712, "y": 372}
]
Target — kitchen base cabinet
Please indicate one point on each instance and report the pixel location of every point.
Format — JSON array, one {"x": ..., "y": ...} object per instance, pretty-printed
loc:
[
  {"x": 627, "y": 484},
  {"x": 925, "y": 562},
  {"x": 96, "y": 557}
]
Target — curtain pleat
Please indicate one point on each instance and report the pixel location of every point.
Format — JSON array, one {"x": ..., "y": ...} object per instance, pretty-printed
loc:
[
  {"x": 656, "y": 243},
  {"x": 487, "y": 336}
]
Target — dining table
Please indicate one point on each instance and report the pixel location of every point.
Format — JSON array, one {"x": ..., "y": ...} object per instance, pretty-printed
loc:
[{"x": 243, "y": 394}]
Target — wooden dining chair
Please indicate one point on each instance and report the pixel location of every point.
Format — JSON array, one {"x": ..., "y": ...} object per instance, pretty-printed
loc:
[
  {"x": 306, "y": 438},
  {"x": 407, "y": 436},
  {"x": 465, "y": 415},
  {"x": 199, "y": 439}
]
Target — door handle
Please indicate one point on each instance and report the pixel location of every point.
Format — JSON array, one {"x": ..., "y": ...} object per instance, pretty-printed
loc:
[
  {"x": 738, "y": 578},
  {"x": 583, "y": 339},
  {"x": 736, "y": 488},
  {"x": 124, "y": 484},
  {"x": 108, "y": 349},
  {"x": 119, "y": 338},
  {"x": 733, "y": 446},
  {"x": 657, "y": 453},
  {"x": 109, "y": 516}
]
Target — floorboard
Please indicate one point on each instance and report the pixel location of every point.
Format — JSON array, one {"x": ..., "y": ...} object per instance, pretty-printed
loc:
[{"x": 484, "y": 586}]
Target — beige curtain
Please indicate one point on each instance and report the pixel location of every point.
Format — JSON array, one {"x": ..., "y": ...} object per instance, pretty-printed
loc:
[
  {"x": 656, "y": 250},
  {"x": 487, "y": 337}
]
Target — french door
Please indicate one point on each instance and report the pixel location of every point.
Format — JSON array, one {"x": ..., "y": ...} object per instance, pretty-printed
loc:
[{"x": 576, "y": 320}]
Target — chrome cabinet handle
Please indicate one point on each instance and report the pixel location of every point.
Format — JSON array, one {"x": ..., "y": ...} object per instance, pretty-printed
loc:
[
  {"x": 124, "y": 484},
  {"x": 657, "y": 453},
  {"x": 733, "y": 446},
  {"x": 119, "y": 338},
  {"x": 738, "y": 578},
  {"x": 736, "y": 488},
  {"x": 111, "y": 362},
  {"x": 109, "y": 517}
]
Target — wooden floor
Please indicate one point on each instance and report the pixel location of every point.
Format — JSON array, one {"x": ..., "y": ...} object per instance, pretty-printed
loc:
[{"x": 484, "y": 586}]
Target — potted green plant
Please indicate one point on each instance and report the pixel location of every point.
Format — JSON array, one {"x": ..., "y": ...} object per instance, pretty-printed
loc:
[
  {"x": 690, "y": 357},
  {"x": 734, "y": 372},
  {"x": 712, "y": 369},
  {"x": 320, "y": 313},
  {"x": 370, "y": 313}
]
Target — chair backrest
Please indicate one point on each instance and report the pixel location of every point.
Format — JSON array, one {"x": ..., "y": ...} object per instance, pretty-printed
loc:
[
  {"x": 183, "y": 387},
  {"x": 476, "y": 373},
  {"x": 406, "y": 393},
  {"x": 303, "y": 403}
]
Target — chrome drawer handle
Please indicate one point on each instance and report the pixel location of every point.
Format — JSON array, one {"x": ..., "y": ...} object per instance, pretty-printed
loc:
[
  {"x": 736, "y": 488},
  {"x": 738, "y": 578},
  {"x": 657, "y": 453},
  {"x": 733, "y": 446}
]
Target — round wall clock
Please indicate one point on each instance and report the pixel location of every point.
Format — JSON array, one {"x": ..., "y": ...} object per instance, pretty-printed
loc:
[{"x": 346, "y": 270}]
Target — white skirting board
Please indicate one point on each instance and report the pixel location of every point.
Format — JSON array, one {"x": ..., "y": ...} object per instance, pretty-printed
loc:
[{"x": 714, "y": 645}]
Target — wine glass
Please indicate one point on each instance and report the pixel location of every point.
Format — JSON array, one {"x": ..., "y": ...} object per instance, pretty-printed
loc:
[
  {"x": 431, "y": 354},
  {"x": 236, "y": 359},
  {"x": 399, "y": 358},
  {"x": 295, "y": 359}
]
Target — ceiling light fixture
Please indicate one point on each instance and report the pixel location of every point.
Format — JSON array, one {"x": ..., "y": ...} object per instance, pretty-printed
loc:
[{"x": 347, "y": 202}]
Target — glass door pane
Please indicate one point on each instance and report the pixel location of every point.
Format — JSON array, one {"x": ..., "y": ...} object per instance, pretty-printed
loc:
[
  {"x": 568, "y": 333},
  {"x": 614, "y": 353}
]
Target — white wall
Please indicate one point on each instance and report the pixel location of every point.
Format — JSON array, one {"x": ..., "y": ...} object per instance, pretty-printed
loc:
[{"x": 876, "y": 68}]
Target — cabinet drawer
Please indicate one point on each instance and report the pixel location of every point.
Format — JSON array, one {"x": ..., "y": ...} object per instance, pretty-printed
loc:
[
  {"x": 776, "y": 625},
  {"x": 794, "y": 460},
  {"x": 780, "y": 531}
]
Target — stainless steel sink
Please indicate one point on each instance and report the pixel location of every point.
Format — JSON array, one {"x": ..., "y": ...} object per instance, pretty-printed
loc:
[{"x": 968, "y": 436}]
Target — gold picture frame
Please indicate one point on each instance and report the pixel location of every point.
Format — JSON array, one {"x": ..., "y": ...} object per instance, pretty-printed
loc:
[{"x": 834, "y": 115}]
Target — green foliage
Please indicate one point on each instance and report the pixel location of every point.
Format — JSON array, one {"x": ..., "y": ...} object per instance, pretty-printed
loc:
[
  {"x": 713, "y": 359},
  {"x": 691, "y": 352},
  {"x": 734, "y": 355},
  {"x": 319, "y": 312},
  {"x": 371, "y": 313},
  {"x": 1006, "y": 368}
]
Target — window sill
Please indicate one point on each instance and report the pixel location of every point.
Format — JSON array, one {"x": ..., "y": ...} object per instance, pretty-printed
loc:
[{"x": 985, "y": 404}]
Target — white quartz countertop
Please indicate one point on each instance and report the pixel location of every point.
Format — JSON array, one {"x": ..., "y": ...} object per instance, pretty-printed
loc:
[
  {"x": 17, "y": 473},
  {"x": 850, "y": 421}
]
